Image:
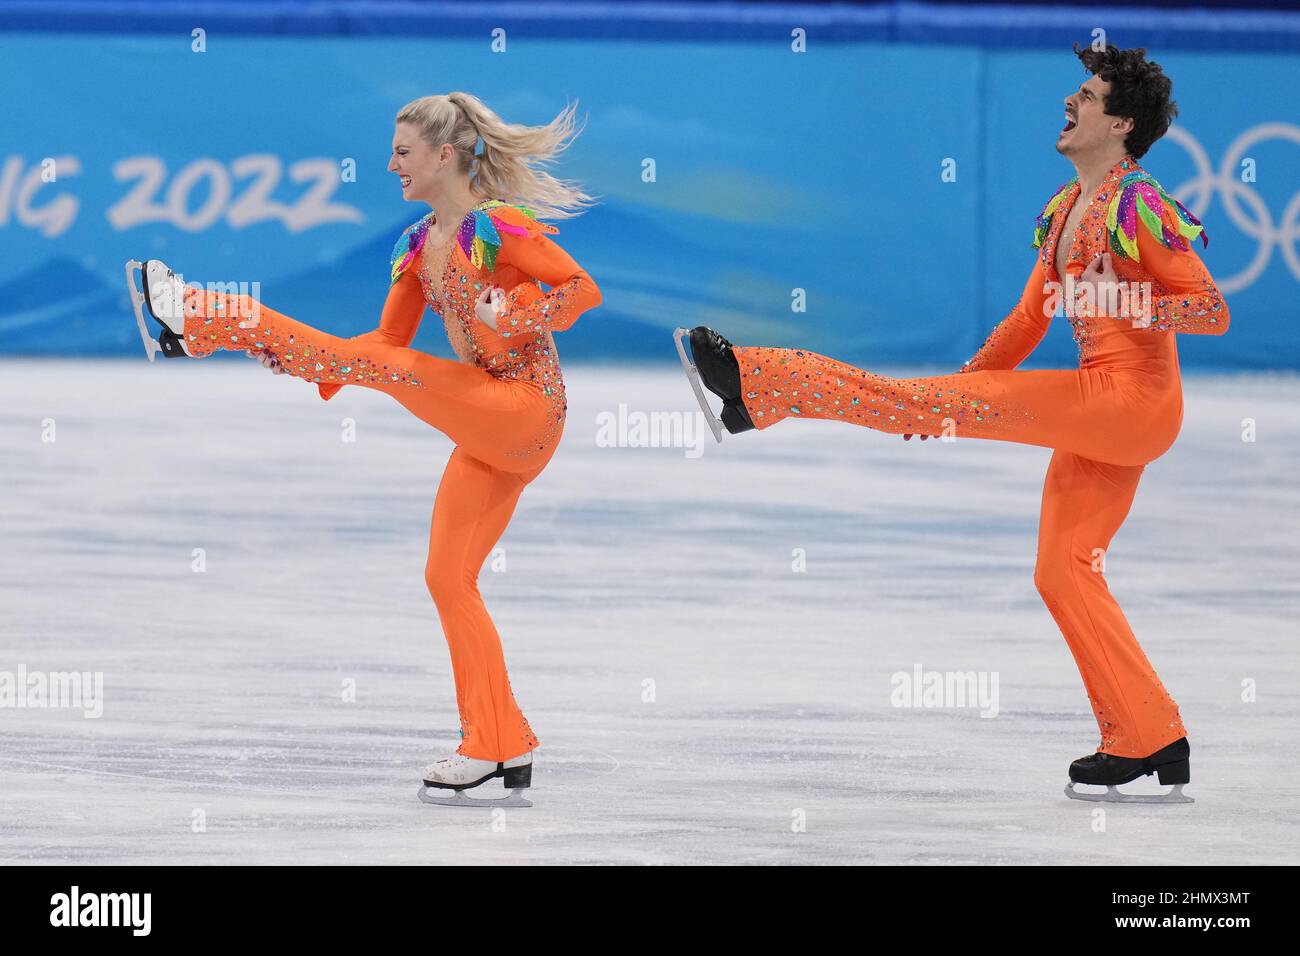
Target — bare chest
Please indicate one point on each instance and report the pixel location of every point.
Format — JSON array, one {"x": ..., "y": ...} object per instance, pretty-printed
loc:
[{"x": 1065, "y": 241}]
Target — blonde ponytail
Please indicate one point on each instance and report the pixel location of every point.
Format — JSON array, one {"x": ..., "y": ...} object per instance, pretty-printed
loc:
[{"x": 503, "y": 169}]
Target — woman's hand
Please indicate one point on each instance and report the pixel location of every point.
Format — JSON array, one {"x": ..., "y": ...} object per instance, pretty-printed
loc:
[
  {"x": 491, "y": 303},
  {"x": 268, "y": 361}
]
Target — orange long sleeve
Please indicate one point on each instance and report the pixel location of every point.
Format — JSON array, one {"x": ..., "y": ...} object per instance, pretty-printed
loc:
[
  {"x": 572, "y": 291},
  {"x": 1185, "y": 298},
  {"x": 398, "y": 323},
  {"x": 1019, "y": 333}
]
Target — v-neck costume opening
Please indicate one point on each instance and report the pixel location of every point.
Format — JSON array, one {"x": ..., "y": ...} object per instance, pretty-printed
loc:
[{"x": 435, "y": 261}]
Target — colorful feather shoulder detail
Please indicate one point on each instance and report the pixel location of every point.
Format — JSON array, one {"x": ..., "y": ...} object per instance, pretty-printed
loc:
[
  {"x": 1044, "y": 223},
  {"x": 479, "y": 236},
  {"x": 1140, "y": 197}
]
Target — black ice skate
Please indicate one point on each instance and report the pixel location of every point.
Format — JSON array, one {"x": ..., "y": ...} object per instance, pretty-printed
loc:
[
  {"x": 459, "y": 773},
  {"x": 716, "y": 367},
  {"x": 163, "y": 294},
  {"x": 1169, "y": 764}
]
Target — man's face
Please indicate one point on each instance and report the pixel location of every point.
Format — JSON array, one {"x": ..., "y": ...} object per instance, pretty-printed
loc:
[{"x": 1088, "y": 127}]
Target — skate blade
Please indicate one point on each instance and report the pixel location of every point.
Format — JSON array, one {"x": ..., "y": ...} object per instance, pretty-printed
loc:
[
  {"x": 136, "y": 292},
  {"x": 693, "y": 376},
  {"x": 171, "y": 343},
  {"x": 515, "y": 799},
  {"x": 1113, "y": 795}
]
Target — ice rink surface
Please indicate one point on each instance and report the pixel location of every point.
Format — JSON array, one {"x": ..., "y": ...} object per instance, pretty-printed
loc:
[{"x": 698, "y": 699}]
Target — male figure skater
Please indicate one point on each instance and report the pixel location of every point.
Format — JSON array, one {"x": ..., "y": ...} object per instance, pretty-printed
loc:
[{"x": 1123, "y": 266}]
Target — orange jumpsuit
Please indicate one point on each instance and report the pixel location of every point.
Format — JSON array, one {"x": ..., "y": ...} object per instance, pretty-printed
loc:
[
  {"x": 503, "y": 404},
  {"x": 1121, "y": 409}
]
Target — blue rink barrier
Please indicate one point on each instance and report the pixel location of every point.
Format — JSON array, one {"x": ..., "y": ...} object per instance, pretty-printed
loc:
[{"x": 734, "y": 177}]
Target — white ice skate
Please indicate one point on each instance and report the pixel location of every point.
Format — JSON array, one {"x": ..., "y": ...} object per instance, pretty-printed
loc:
[
  {"x": 693, "y": 376},
  {"x": 460, "y": 773},
  {"x": 162, "y": 292}
]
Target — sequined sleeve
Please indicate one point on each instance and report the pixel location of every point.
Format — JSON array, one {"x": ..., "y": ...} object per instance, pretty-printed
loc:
[
  {"x": 1184, "y": 297},
  {"x": 572, "y": 291},
  {"x": 398, "y": 323},
  {"x": 1020, "y": 332}
]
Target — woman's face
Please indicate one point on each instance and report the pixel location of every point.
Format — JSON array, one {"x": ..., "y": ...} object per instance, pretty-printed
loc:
[{"x": 418, "y": 164}]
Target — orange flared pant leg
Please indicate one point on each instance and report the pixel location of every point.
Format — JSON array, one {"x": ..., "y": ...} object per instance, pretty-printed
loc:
[
  {"x": 503, "y": 422},
  {"x": 1103, "y": 435},
  {"x": 1084, "y": 504},
  {"x": 1092, "y": 411},
  {"x": 504, "y": 439},
  {"x": 474, "y": 505}
]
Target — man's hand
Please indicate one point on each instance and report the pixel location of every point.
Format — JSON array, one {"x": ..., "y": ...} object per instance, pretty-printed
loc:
[{"x": 1101, "y": 285}]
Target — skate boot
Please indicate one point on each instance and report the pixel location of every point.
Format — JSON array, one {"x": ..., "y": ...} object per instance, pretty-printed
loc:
[
  {"x": 460, "y": 773},
  {"x": 163, "y": 294},
  {"x": 1170, "y": 765},
  {"x": 715, "y": 366}
]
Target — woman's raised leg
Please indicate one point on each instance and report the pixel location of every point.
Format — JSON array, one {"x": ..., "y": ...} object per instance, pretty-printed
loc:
[{"x": 496, "y": 420}]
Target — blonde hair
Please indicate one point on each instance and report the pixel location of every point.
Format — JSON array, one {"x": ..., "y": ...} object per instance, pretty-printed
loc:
[{"x": 502, "y": 170}]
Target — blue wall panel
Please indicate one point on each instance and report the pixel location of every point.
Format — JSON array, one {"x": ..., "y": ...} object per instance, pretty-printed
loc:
[{"x": 774, "y": 171}]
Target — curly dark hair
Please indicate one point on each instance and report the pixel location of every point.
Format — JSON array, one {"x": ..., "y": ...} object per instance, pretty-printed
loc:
[{"x": 1138, "y": 88}]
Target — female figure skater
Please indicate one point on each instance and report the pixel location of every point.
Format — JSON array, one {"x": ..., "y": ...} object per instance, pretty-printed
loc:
[
  {"x": 476, "y": 259},
  {"x": 1121, "y": 409}
]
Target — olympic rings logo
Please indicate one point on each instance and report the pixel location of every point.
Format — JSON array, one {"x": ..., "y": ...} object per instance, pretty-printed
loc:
[{"x": 1197, "y": 193}]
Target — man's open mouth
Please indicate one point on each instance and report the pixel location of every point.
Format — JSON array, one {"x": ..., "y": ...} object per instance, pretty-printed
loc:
[{"x": 1070, "y": 123}]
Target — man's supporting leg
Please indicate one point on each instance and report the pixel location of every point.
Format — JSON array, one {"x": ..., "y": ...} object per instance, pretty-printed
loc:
[{"x": 1084, "y": 504}]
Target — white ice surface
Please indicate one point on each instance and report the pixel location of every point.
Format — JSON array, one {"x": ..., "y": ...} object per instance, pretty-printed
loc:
[{"x": 771, "y": 688}]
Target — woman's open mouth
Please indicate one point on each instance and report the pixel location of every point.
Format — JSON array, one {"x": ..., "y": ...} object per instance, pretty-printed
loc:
[{"x": 406, "y": 181}]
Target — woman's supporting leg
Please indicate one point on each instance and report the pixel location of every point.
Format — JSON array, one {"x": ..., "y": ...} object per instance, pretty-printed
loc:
[
  {"x": 506, "y": 423},
  {"x": 474, "y": 505},
  {"x": 1086, "y": 411},
  {"x": 1084, "y": 504}
]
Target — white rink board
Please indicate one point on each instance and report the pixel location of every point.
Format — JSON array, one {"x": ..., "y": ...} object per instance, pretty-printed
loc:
[{"x": 223, "y": 691}]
